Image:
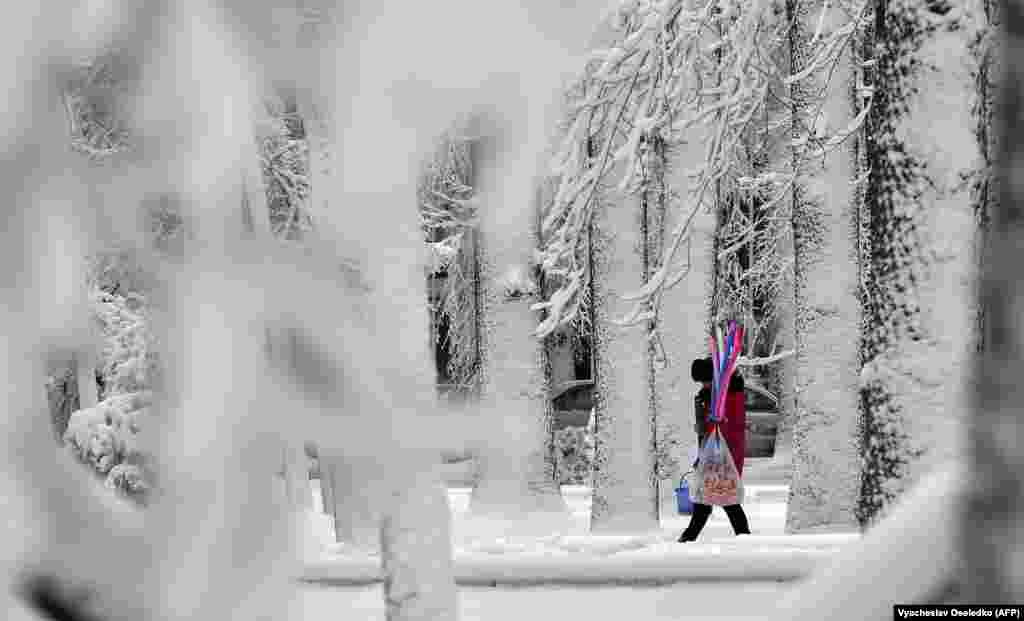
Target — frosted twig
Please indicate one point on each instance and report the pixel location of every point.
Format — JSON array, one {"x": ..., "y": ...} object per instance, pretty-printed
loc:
[{"x": 744, "y": 361}]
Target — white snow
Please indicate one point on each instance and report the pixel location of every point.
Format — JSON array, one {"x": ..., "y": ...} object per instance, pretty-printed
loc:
[
  {"x": 898, "y": 561},
  {"x": 679, "y": 601},
  {"x": 490, "y": 551},
  {"x": 907, "y": 558}
]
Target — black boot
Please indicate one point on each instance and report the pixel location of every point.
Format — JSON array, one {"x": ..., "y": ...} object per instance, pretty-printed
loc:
[
  {"x": 738, "y": 519},
  {"x": 700, "y": 516}
]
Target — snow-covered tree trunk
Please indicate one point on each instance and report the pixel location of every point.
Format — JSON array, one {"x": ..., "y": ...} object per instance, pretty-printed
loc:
[
  {"x": 682, "y": 330},
  {"x": 784, "y": 371},
  {"x": 416, "y": 552},
  {"x": 825, "y": 460},
  {"x": 253, "y": 193},
  {"x": 678, "y": 334},
  {"x": 578, "y": 348},
  {"x": 215, "y": 505},
  {"x": 515, "y": 470},
  {"x": 327, "y": 484},
  {"x": 61, "y": 394},
  {"x": 308, "y": 39},
  {"x": 625, "y": 496},
  {"x": 377, "y": 159},
  {"x": 992, "y": 521},
  {"x": 779, "y": 156},
  {"x": 985, "y": 59},
  {"x": 296, "y": 475},
  {"x": 415, "y": 529},
  {"x": 356, "y": 507},
  {"x": 919, "y": 283},
  {"x": 316, "y": 125},
  {"x": 515, "y": 475},
  {"x": 356, "y": 516},
  {"x": 85, "y": 374},
  {"x": 256, "y": 220},
  {"x": 939, "y": 129}
]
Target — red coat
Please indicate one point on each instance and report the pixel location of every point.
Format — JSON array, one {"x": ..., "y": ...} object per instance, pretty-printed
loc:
[{"x": 734, "y": 427}]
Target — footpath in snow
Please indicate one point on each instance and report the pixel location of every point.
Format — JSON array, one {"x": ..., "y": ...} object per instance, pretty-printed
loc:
[{"x": 486, "y": 555}]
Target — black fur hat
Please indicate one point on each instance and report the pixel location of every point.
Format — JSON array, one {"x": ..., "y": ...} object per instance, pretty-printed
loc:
[{"x": 701, "y": 370}]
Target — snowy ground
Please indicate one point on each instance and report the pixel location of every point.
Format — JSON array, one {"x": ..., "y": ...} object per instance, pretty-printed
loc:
[
  {"x": 574, "y": 574},
  {"x": 485, "y": 554},
  {"x": 748, "y": 601},
  {"x": 489, "y": 553}
]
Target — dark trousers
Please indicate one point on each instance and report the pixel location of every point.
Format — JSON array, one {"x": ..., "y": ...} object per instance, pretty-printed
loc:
[{"x": 700, "y": 516}]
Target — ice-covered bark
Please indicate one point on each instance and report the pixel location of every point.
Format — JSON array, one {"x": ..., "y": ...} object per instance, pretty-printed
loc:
[
  {"x": 991, "y": 520},
  {"x": 920, "y": 228},
  {"x": 516, "y": 461},
  {"x": 625, "y": 483},
  {"x": 515, "y": 468},
  {"x": 316, "y": 125},
  {"x": 377, "y": 155},
  {"x": 985, "y": 63},
  {"x": 307, "y": 40},
  {"x": 682, "y": 332},
  {"x": 216, "y": 490},
  {"x": 295, "y": 475},
  {"x": 515, "y": 473},
  {"x": 85, "y": 374},
  {"x": 778, "y": 155},
  {"x": 679, "y": 333},
  {"x": 257, "y": 220},
  {"x": 784, "y": 371},
  {"x": 825, "y": 460},
  {"x": 253, "y": 194},
  {"x": 61, "y": 393},
  {"x": 355, "y": 506},
  {"x": 939, "y": 129},
  {"x": 306, "y": 33},
  {"x": 415, "y": 536},
  {"x": 416, "y": 552}
]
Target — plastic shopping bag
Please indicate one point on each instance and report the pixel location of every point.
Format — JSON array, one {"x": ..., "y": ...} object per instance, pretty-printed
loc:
[{"x": 717, "y": 480}]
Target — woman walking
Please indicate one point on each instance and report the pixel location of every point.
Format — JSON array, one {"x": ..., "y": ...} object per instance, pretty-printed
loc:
[{"x": 733, "y": 429}]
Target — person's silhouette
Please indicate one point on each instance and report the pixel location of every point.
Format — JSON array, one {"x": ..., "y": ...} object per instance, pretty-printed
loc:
[{"x": 733, "y": 429}]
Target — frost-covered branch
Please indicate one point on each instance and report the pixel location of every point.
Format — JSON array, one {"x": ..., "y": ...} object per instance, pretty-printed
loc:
[
  {"x": 679, "y": 71},
  {"x": 284, "y": 160},
  {"x": 95, "y": 126},
  {"x": 448, "y": 214},
  {"x": 745, "y": 361}
]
